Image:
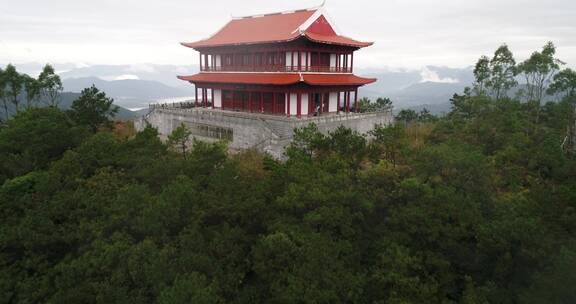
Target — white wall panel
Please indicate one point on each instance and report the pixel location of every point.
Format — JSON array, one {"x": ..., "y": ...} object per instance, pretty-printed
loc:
[
  {"x": 333, "y": 102},
  {"x": 332, "y": 60},
  {"x": 289, "y": 59},
  {"x": 304, "y": 110},
  {"x": 218, "y": 98},
  {"x": 293, "y": 103}
]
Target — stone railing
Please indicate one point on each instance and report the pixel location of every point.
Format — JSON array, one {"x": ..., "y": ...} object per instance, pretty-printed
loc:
[{"x": 174, "y": 105}]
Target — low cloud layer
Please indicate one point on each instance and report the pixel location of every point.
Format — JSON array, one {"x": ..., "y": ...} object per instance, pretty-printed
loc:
[{"x": 432, "y": 76}]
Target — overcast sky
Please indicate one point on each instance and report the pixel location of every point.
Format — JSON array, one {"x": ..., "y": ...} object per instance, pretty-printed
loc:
[{"x": 407, "y": 33}]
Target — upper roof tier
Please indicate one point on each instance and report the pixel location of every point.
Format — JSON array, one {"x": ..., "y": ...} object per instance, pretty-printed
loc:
[{"x": 312, "y": 24}]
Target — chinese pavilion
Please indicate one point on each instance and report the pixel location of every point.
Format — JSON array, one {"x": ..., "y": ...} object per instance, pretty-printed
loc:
[
  {"x": 293, "y": 63},
  {"x": 261, "y": 77}
]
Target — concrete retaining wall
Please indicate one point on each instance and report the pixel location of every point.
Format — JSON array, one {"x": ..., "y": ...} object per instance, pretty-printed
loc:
[{"x": 266, "y": 133}]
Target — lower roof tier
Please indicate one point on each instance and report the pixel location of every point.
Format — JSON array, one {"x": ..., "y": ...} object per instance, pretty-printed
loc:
[{"x": 279, "y": 79}]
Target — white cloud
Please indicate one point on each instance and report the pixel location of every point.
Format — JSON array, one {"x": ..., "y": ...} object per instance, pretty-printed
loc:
[
  {"x": 80, "y": 65},
  {"x": 147, "y": 68},
  {"x": 120, "y": 77},
  {"x": 126, "y": 77},
  {"x": 432, "y": 76}
]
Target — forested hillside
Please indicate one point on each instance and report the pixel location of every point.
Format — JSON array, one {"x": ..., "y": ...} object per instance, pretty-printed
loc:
[{"x": 478, "y": 206}]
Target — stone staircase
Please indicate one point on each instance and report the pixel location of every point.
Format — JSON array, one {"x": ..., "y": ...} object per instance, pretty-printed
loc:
[{"x": 282, "y": 129}]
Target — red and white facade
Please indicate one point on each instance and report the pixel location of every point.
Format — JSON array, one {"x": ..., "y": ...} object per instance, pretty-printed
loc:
[{"x": 290, "y": 63}]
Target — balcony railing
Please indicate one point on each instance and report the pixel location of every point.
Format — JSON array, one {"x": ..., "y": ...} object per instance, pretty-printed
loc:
[{"x": 277, "y": 68}]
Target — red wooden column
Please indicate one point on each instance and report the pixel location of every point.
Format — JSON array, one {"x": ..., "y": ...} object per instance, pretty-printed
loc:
[
  {"x": 261, "y": 102},
  {"x": 299, "y": 61},
  {"x": 322, "y": 103},
  {"x": 310, "y": 104},
  {"x": 356, "y": 101},
  {"x": 232, "y": 93},
  {"x": 298, "y": 104},
  {"x": 292, "y": 63},
  {"x": 212, "y": 93},
  {"x": 274, "y": 103},
  {"x": 288, "y": 97},
  {"x": 338, "y": 104},
  {"x": 200, "y": 55},
  {"x": 347, "y": 101},
  {"x": 196, "y": 96},
  {"x": 204, "y": 97}
]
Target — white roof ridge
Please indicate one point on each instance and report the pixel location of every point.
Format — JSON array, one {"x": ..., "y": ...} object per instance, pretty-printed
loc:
[
  {"x": 320, "y": 11},
  {"x": 280, "y": 12}
]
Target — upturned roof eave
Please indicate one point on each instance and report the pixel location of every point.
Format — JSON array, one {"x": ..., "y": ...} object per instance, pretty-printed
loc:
[{"x": 199, "y": 46}]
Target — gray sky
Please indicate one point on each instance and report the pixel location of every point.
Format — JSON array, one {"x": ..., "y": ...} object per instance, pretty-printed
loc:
[{"x": 407, "y": 33}]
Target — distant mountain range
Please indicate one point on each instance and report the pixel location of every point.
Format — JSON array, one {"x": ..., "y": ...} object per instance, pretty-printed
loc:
[
  {"x": 129, "y": 93},
  {"x": 135, "y": 86},
  {"x": 431, "y": 87}
]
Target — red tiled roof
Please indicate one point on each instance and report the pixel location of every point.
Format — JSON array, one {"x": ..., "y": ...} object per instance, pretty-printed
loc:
[
  {"x": 251, "y": 30},
  {"x": 280, "y": 27},
  {"x": 278, "y": 78}
]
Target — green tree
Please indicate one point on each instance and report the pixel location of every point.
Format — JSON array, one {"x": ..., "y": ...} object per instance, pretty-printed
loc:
[
  {"x": 13, "y": 86},
  {"x": 538, "y": 71},
  {"x": 425, "y": 116},
  {"x": 50, "y": 85},
  {"x": 391, "y": 140},
  {"x": 34, "y": 138},
  {"x": 467, "y": 107},
  {"x": 481, "y": 75},
  {"x": 179, "y": 139},
  {"x": 554, "y": 285},
  {"x": 193, "y": 288},
  {"x": 3, "y": 95},
  {"x": 381, "y": 104},
  {"x": 92, "y": 108},
  {"x": 564, "y": 82},
  {"x": 384, "y": 104},
  {"x": 32, "y": 89},
  {"x": 502, "y": 72},
  {"x": 364, "y": 105},
  {"x": 407, "y": 116}
]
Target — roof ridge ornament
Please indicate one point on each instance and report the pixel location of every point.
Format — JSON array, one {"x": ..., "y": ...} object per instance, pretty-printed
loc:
[{"x": 280, "y": 12}]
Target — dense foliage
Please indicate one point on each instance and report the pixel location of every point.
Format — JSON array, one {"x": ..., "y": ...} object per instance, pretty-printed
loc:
[{"x": 478, "y": 206}]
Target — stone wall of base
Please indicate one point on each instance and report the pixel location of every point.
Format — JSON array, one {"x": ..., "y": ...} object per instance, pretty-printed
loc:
[{"x": 265, "y": 133}]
